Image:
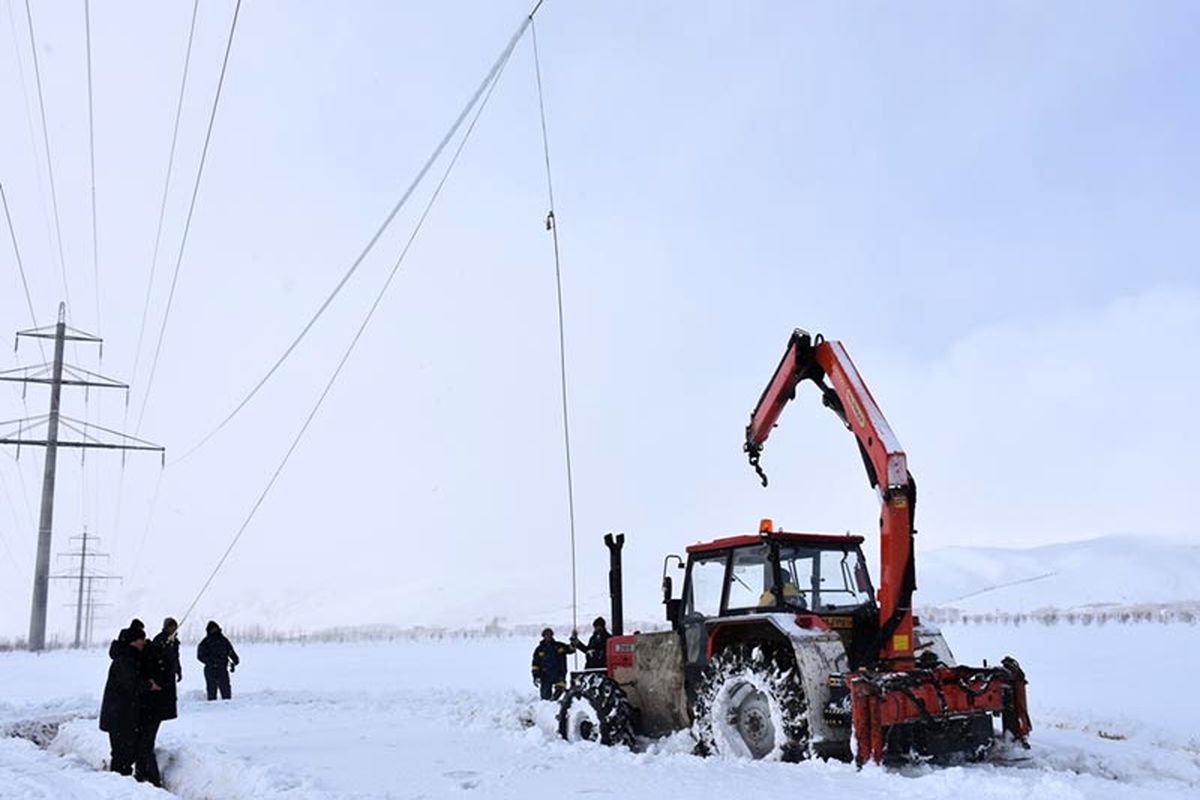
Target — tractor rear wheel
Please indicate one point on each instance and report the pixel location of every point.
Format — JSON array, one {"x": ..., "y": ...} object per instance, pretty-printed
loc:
[
  {"x": 750, "y": 704},
  {"x": 595, "y": 709}
]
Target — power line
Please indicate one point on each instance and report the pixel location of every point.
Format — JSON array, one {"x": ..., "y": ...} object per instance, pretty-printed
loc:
[
  {"x": 37, "y": 72},
  {"x": 162, "y": 211},
  {"x": 487, "y": 81},
  {"x": 187, "y": 225},
  {"x": 87, "y": 25},
  {"x": 552, "y": 226},
  {"x": 362, "y": 327},
  {"x": 29, "y": 124},
  {"x": 20, "y": 264}
]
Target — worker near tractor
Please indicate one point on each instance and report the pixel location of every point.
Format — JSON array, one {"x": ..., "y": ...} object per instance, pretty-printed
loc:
[
  {"x": 550, "y": 664},
  {"x": 597, "y": 644},
  {"x": 219, "y": 659},
  {"x": 791, "y": 595}
]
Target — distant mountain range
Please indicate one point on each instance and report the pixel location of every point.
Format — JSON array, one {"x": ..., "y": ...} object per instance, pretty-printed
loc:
[{"x": 1114, "y": 570}]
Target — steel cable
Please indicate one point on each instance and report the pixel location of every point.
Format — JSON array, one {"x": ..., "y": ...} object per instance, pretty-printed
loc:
[
  {"x": 162, "y": 210},
  {"x": 496, "y": 73},
  {"x": 552, "y": 226},
  {"x": 37, "y": 73},
  {"x": 187, "y": 225},
  {"x": 488, "y": 80},
  {"x": 87, "y": 25},
  {"x": 162, "y": 213}
]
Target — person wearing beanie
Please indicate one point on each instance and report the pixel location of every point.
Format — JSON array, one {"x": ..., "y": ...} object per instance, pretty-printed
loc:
[
  {"x": 160, "y": 663},
  {"x": 597, "y": 644},
  {"x": 124, "y": 693},
  {"x": 219, "y": 659},
  {"x": 550, "y": 665}
]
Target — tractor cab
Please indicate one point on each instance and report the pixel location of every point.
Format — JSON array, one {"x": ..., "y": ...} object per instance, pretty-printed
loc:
[{"x": 820, "y": 578}]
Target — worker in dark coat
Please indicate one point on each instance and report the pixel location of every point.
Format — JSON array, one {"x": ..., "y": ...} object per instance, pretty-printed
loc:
[
  {"x": 219, "y": 659},
  {"x": 120, "y": 711},
  {"x": 160, "y": 665},
  {"x": 597, "y": 644},
  {"x": 550, "y": 665}
]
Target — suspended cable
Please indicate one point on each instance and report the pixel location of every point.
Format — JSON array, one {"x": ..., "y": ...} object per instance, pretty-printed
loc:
[
  {"x": 552, "y": 226},
  {"x": 162, "y": 211},
  {"x": 137, "y": 557},
  {"x": 87, "y": 495},
  {"x": 187, "y": 225},
  {"x": 37, "y": 73},
  {"x": 87, "y": 24},
  {"x": 487, "y": 81},
  {"x": 20, "y": 265},
  {"x": 361, "y": 328}
]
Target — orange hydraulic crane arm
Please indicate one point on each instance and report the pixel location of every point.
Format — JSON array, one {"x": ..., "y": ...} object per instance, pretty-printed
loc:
[{"x": 814, "y": 359}]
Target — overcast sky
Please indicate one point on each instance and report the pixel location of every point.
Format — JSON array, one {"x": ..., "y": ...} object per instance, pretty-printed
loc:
[{"x": 994, "y": 207}]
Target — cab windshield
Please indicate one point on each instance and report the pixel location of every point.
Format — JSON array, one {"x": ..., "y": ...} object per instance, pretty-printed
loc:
[
  {"x": 823, "y": 579},
  {"x": 809, "y": 579}
]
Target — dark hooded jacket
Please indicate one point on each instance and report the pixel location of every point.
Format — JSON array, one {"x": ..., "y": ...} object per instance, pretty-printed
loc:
[
  {"x": 215, "y": 651},
  {"x": 161, "y": 665},
  {"x": 597, "y": 648},
  {"x": 121, "y": 707}
]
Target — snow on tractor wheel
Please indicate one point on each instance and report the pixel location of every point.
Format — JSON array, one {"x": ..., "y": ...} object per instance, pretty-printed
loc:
[
  {"x": 595, "y": 709},
  {"x": 750, "y": 704}
]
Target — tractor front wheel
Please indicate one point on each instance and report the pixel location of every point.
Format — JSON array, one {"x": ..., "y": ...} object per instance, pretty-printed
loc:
[
  {"x": 750, "y": 704},
  {"x": 595, "y": 709}
]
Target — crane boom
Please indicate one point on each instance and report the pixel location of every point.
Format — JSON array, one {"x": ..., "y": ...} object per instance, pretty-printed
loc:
[{"x": 814, "y": 359}]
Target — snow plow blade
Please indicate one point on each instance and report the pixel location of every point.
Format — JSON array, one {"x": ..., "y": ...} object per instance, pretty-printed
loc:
[{"x": 935, "y": 712}]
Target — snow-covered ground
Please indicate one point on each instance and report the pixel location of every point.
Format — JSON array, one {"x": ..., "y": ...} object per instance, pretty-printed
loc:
[{"x": 443, "y": 718}]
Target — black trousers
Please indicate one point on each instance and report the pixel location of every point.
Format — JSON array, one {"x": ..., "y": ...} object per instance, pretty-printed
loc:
[
  {"x": 146, "y": 764},
  {"x": 217, "y": 679},
  {"x": 123, "y": 745},
  {"x": 552, "y": 688}
]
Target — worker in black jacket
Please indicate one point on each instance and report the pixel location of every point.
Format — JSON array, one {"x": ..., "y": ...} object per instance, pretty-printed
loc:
[
  {"x": 160, "y": 664},
  {"x": 124, "y": 694},
  {"x": 597, "y": 644},
  {"x": 219, "y": 659},
  {"x": 550, "y": 665}
]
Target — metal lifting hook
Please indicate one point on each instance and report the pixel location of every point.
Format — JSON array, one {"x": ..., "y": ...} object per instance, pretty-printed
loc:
[{"x": 753, "y": 453}]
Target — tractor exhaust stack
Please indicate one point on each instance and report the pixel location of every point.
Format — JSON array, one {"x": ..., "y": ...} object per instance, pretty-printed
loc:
[{"x": 615, "y": 591}]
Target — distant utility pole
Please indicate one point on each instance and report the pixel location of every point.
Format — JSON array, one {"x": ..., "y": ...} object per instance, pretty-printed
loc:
[
  {"x": 52, "y": 374},
  {"x": 90, "y": 605},
  {"x": 85, "y": 579}
]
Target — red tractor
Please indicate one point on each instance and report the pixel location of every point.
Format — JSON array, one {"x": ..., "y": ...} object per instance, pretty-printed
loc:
[{"x": 779, "y": 646}]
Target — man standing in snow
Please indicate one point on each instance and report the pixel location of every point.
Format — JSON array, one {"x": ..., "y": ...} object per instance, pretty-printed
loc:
[
  {"x": 160, "y": 664},
  {"x": 550, "y": 665},
  {"x": 124, "y": 694},
  {"x": 597, "y": 644},
  {"x": 219, "y": 659}
]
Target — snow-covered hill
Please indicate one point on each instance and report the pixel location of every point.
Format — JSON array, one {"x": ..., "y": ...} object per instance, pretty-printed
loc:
[{"x": 1114, "y": 570}]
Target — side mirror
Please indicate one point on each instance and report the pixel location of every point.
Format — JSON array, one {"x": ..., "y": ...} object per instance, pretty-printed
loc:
[{"x": 667, "y": 588}]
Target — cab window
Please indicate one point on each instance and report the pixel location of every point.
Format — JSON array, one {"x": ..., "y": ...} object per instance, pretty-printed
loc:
[
  {"x": 707, "y": 585},
  {"x": 750, "y": 578}
]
